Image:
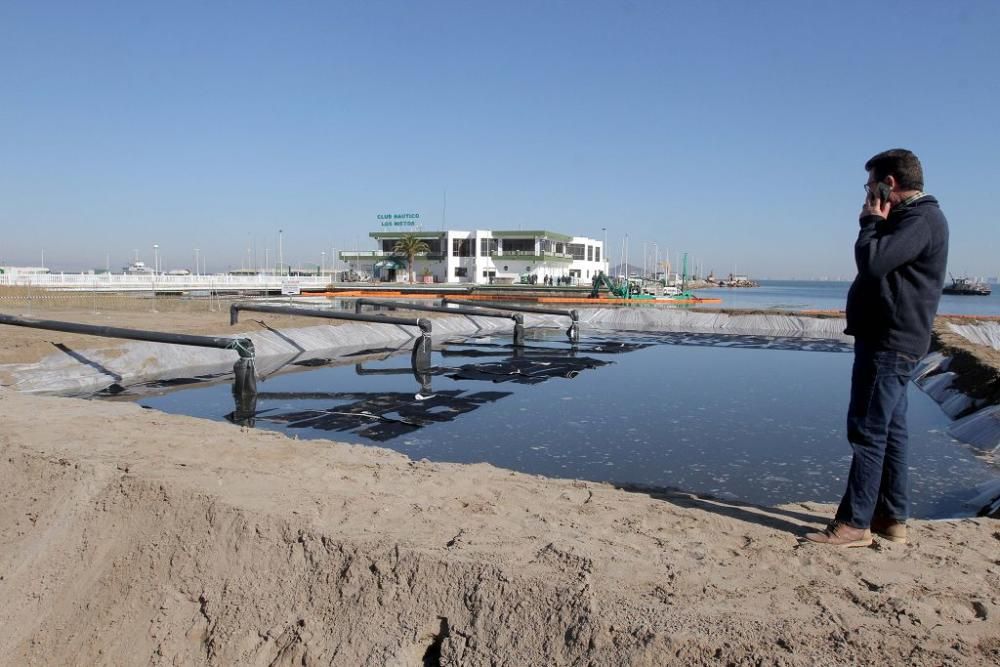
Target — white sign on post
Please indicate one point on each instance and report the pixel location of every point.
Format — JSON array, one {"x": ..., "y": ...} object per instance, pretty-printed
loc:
[{"x": 290, "y": 288}]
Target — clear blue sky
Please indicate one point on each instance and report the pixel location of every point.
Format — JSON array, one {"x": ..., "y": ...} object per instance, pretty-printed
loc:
[{"x": 734, "y": 130}]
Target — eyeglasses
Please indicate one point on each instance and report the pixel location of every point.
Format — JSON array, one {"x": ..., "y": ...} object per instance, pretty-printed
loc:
[{"x": 869, "y": 186}]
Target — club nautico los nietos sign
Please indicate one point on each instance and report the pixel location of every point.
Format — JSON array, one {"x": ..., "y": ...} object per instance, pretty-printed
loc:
[{"x": 399, "y": 219}]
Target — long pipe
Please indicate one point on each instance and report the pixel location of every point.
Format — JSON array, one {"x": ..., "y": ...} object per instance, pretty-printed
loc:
[
  {"x": 422, "y": 323},
  {"x": 403, "y": 305},
  {"x": 243, "y": 346},
  {"x": 574, "y": 329},
  {"x": 499, "y": 305},
  {"x": 421, "y": 356}
]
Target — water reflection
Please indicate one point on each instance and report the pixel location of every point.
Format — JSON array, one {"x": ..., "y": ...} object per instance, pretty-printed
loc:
[
  {"x": 382, "y": 416},
  {"x": 376, "y": 416},
  {"x": 758, "y": 342},
  {"x": 741, "y": 418}
]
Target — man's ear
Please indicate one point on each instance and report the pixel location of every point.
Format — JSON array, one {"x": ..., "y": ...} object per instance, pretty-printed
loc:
[{"x": 890, "y": 180}]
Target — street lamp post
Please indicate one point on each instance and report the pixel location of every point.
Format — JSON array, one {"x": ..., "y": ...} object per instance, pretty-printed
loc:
[
  {"x": 196, "y": 271},
  {"x": 604, "y": 248},
  {"x": 156, "y": 258},
  {"x": 322, "y": 262},
  {"x": 281, "y": 256},
  {"x": 626, "y": 259}
]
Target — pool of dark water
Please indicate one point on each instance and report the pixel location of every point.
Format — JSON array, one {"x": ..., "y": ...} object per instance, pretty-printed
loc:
[{"x": 755, "y": 419}]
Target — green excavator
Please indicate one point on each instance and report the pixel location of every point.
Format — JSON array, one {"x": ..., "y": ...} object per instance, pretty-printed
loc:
[{"x": 625, "y": 290}]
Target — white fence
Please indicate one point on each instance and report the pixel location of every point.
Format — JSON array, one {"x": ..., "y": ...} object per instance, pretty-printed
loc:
[{"x": 118, "y": 282}]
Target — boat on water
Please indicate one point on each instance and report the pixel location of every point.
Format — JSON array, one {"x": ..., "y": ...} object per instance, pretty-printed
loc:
[
  {"x": 137, "y": 268},
  {"x": 967, "y": 286}
]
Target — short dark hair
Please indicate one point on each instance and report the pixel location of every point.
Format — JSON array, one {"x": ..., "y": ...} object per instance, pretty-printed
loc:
[{"x": 899, "y": 163}]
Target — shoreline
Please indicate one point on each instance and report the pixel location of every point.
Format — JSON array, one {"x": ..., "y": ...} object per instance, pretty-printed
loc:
[{"x": 134, "y": 536}]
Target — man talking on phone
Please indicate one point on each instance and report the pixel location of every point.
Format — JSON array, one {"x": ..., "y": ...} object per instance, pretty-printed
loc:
[{"x": 901, "y": 254}]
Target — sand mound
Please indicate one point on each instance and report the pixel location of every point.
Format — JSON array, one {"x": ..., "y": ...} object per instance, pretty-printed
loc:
[{"x": 133, "y": 537}]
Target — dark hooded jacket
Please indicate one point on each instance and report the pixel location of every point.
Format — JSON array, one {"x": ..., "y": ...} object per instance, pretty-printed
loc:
[{"x": 901, "y": 263}]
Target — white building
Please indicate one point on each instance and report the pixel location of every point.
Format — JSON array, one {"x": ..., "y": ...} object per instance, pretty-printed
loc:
[
  {"x": 14, "y": 272},
  {"x": 484, "y": 257}
]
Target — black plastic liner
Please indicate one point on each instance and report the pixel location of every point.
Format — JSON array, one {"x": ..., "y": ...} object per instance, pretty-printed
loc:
[
  {"x": 381, "y": 417},
  {"x": 527, "y": 370},
  {"x": 742, "y": 341}
]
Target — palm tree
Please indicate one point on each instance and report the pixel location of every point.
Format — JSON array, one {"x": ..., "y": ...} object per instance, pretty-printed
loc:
[{"x": 410, "y": 246}]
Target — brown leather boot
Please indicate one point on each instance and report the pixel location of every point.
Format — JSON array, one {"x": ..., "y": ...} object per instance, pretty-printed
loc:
[
  {"x": 889, "y": 529},
  {"x": 839, "y": 534}
]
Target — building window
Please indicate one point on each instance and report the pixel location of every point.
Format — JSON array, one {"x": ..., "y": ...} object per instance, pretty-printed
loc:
[
  {"x": 576, "y": 250},
  {"x": 461, "y": 247},
  {"x": 488, "y": 247},
  {"x": 461, "y": 272},
  {"x": 560, "y": 248},
  {"x": 597, "y": 253},
  {"x": 520, "y": 246},
  {"x": 545, "y": 245},
  {"x": 590, "y": 253}
]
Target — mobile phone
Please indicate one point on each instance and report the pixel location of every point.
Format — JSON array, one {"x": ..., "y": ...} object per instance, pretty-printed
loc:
[
  {"x": 880, "y": 192},
  {"x": 883, "y": 192}
]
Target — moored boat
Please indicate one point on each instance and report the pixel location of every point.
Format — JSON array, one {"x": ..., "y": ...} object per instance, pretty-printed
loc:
[{"x": 968, "y": 286}]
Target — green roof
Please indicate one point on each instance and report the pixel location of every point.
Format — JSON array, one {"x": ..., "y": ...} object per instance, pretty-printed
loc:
[{"x": 532, "y": 234}]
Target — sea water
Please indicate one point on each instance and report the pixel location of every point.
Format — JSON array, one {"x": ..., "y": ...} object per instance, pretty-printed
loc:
[
  {"x": 799, "y": 295},
  {"x": 754, "y": 419}
]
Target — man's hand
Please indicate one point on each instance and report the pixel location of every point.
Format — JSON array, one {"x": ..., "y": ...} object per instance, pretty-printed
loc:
[{"x": 875, "y": 206}]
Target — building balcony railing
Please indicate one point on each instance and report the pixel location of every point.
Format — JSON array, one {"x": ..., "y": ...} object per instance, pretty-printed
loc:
[
  {"x": 532, "y": 255},
  {"x": 361, "y": 255}
]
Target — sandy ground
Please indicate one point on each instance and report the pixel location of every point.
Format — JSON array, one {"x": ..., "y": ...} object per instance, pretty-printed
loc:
[
  {"x": 128, "y": 536},
  {"x": 173, "y": 315}
]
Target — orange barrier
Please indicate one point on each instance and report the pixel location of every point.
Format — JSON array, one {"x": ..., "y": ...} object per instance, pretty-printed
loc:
[
  {"x": 626, "y": 302},
  {"x": 521, "y": 298},
  {"x": 493, "y": 297},
  {"x": 602, "y": 301}
]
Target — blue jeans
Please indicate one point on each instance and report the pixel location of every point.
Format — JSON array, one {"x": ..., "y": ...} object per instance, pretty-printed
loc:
[{"x": 876, "y": 428}]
